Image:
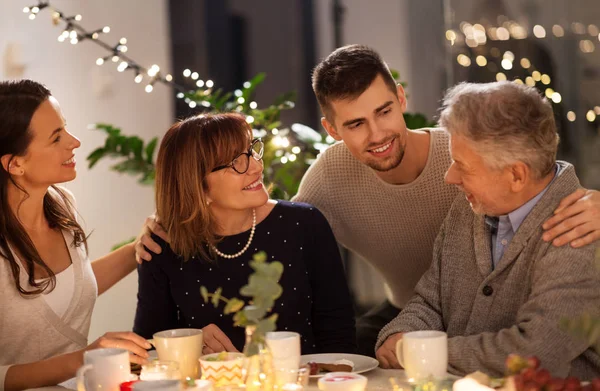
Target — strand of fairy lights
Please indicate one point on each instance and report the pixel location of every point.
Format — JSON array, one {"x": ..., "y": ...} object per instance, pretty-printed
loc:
[{"x": 75, "y": 33}]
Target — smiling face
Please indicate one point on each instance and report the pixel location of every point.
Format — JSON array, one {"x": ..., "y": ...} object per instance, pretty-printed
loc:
[
  {"x": 372, "y": 125},
  {"x": 488, "y": 191},
  {"x": 50, "y": 157},
  {"x": 229, "y": 190}
]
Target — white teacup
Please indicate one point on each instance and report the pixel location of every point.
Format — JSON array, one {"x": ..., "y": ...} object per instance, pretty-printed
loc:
[
  {"x": 285, "y": 349},
  {"x": 423, "y": 354},
  {"x": 183, "y": 346},
  {"x": 103, "y": 369}
]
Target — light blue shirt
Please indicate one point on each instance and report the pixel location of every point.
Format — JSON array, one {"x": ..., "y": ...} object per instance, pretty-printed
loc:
[{"x": 505, "y": 226}]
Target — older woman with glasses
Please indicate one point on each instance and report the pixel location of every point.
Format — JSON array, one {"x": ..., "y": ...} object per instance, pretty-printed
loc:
[{"x": 211, "y": 200}]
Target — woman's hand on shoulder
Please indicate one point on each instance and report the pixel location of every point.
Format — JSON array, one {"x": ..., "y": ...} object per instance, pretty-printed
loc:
[
  {"x": 215, "y": 340},
  {"x": 144, "y": 239},
  {"x": 128, "y": 340}
]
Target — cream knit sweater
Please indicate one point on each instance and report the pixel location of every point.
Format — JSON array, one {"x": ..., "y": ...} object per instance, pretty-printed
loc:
[{"x": 393, "y": 227}]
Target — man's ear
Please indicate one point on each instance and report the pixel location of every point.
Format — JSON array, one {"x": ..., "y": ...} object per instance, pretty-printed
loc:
[
  {"x": 519, "y": 176},
  {"x": 401, "y": 96},
  {"x": 330, "y": 129}
]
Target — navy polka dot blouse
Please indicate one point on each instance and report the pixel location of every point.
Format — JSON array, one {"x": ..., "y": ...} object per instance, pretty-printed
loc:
[{"x": 315, "y": 301}]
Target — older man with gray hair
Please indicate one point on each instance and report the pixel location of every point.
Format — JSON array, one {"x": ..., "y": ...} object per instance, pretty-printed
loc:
[{"x": 494, "y": 285}]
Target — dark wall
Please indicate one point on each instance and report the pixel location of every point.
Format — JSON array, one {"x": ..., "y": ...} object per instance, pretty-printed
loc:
[{"x": 230, "y": 41}]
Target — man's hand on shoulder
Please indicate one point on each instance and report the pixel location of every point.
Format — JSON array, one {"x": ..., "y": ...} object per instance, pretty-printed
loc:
[{"x": 576, "y": 220}]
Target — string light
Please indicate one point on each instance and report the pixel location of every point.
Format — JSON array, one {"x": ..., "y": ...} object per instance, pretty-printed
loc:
[
  {"x": 481, "y": 61},
  {"x": 590, "y": 116},
  {"x": 556, "y": 98},
  {"x": 539, "y": 31},
  {"x": 529, "y": 81},
  {"x": 463, "y": 60},
  {"x": 558, "y": 31},
  {"x": 35, "y": 9},
  {"x": 122, "y": 66},
  {"x": 75, "y": 33},
  {"x": 525, "y": 63},
  {"x": 586, "y": 46},
  {"x": 545, "y": 79},
  {"x": 571, "y": 116}
]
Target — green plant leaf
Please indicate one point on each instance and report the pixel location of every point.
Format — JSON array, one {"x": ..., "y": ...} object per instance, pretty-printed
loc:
[
  {"x": 216, "y": 297},
  {"x": 260, "y": 256},
  {"x": 265, "y": 326},
  {"x": 204, "y": 293},
  {"x": 234, "y": 305},
  {"x": 150, "y": 147},
  {"x": 95, "y": 156}
]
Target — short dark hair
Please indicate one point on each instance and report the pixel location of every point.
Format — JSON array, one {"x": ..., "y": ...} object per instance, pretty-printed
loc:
[{"x": 346, "y": 73}]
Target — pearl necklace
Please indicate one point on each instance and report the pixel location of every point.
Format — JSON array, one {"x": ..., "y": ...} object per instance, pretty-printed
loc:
[{"x": 227, "y": 256}]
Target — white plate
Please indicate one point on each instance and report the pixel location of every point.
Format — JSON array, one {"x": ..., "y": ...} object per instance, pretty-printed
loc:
[{"x": 361, "y": 363}]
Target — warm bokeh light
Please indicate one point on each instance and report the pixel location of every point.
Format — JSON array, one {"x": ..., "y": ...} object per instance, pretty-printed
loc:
[
  {"x": 545, "y": 79},
  {"x": 590, "y": 116},
  {"x": 481, "y": 61},
  {"x": 525, "y": 63},
  {"x": 556, "y": 98},
  {"x": 571, "y": 116},
  {"x": 463, "y": 60},
  {"x": 586, "y": 46},
  {"x": 539, "y": 31}
]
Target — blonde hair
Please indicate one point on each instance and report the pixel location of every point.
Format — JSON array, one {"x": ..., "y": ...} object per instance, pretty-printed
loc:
[
  {"x": 506, "y": 121},
  {"x": 188, "y": 153}
]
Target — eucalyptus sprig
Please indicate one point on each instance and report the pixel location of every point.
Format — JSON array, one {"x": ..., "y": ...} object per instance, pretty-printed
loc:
[{"x": 263, "y": 289}]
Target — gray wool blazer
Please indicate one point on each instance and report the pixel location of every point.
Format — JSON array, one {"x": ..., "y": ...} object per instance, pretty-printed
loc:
[{"x": 515, "y": 308}]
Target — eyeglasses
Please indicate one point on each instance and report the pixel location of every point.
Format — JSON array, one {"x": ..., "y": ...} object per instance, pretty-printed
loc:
[{"x": 242, "y": 162}]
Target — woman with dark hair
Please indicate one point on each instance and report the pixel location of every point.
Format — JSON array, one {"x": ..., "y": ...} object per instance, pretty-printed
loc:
[
  {"x": 211, "y": 201},
  {"x": 48, "y": 286}
]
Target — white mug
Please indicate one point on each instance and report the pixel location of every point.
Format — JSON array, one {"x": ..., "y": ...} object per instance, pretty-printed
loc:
[
  {"x": 423, "y": 354},
  {"x": 180, "y": 345},
  {"x": 103, "y": 369},
  {"x": 285, "y": 350}
]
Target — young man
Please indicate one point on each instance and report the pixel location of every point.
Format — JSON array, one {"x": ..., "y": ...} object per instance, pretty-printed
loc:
[
  {"x": 382, "y": 188},
  {"x": 495, "y": 286}
]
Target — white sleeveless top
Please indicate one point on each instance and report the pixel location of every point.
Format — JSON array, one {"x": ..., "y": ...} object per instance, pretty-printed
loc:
[
  {"x": 30, "y": 329},
  {"x": 60, "y": 297}
]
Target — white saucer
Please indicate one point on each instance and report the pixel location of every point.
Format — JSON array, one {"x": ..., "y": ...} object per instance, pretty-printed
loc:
[{"x": 361, "y": 363}]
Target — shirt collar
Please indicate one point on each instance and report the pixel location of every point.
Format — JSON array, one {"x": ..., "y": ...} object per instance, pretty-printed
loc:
[{"x": 517, "y": 216}]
